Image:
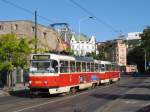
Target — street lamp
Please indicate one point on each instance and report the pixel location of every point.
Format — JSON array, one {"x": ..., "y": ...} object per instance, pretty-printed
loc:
[{"x": 82, "y": 19}]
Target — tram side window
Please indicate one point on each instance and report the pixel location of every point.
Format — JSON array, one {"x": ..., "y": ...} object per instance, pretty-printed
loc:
[
  {"x": 54, "y": 65},
  {"x": 113, "y": 67},
  {"x": 64, "y": 66},
  {"x": 78, "y": 66},
  {"x": 83, "y": 67},
  {"x": 92, "y": 67},
  {"x": 99, "y": 67},
  {"x": 102, "y": 67},
  {"x": 108, "y": 67},
  {"x": 96, "y": 67},
  {"x": 88, "y": 67},
  {"x": 117, "y": 67},
  {"x": 72, "y": 66}
]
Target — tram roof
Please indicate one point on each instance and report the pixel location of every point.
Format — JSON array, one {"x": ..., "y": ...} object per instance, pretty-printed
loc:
[
  {"x": 65, "y": 57},
  {"x": 105, "y": 62},
  {"x": 87, "y": 59},
  {"x": 72, "y": 58}
]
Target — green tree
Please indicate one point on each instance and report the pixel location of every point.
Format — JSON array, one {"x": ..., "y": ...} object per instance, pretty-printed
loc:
[
  {"x": 103, "y": 52},
  {"x": 13, "y": 52},
  {"x": 146, "y": 41},
  {"x": 136, "y": 57}
]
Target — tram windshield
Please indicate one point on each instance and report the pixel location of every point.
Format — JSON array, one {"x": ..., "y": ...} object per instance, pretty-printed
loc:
[{"x": 44, "y": 66}]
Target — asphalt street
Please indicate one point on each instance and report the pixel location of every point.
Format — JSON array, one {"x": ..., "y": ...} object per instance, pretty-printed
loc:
[{"x": 130, "y": 94}]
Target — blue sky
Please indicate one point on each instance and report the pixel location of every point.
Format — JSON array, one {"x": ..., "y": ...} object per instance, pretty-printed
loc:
[{"x": 123, "y": 15}]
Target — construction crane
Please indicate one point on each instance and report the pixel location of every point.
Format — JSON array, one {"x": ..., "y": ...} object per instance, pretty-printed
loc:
[
  {"x": 59, "y": 24},
  {"x": 63, "y": 30}
]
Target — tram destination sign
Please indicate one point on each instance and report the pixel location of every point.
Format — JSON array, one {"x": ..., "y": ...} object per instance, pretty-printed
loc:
[{"x": 41, "y": 57}]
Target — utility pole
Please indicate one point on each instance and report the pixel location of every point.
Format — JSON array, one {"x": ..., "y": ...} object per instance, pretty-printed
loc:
[{"x": 35, "y": 32}]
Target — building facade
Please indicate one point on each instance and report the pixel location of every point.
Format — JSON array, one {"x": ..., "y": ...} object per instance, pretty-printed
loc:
[
  {"x": 134, "y": 36},
  {"x": 121, "y": 55},
  {"x": 115, "y": 51},
  {"x": 133, "y": 40},
  {"x": 48, "y": 38},
  {"x": 81, "y": 45}
]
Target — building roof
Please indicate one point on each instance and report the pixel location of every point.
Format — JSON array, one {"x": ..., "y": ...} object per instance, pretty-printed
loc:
[
  {"x": 28, "y": 21},
  {"x": 81, "y": 37}
]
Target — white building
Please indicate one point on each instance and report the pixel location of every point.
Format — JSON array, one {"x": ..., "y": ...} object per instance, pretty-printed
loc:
[
  {"x": 82, "y": 45},
  {"x": 134, "y": 36}
]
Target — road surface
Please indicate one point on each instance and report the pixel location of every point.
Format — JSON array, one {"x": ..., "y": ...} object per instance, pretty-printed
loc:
[{"x": 130, "y": 94}]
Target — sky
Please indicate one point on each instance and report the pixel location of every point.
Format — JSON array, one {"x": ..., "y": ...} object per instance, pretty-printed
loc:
[{"x": 123, "y": 16}]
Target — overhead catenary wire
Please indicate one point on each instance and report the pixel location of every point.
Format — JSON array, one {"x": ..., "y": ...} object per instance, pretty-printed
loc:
[
  {"x": 92, "y": 14},
  {"x": 26, "y": 10}
]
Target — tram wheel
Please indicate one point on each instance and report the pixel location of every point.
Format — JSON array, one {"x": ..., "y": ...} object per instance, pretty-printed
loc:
[
  {"x": 93, "y": 85},
  {"x": 110, "y": 81},
  {"x": 73, "y": 90}
]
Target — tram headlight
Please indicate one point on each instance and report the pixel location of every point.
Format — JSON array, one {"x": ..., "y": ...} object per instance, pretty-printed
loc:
[
  {"x": 46, "y": 82},
  {"x": 30, "y": 82}
]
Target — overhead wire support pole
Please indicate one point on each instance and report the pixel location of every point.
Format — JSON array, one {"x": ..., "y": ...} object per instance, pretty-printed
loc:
[
  {"x": 82, "y": 19},
  {"x": 145, "y": 59},
  {"x": 35, "y": 32}
]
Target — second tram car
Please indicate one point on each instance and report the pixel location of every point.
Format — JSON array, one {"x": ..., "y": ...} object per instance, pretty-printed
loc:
[{"x": 54, "y": 73}]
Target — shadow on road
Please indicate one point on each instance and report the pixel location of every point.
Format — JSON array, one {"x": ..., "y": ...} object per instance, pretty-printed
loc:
[
  {"x": 135, "y": 86},
  {"x": 144, "y": 109},
  {"x": 20, "y": 93},
  {"x": 26, "y": 94},
  {"x": 144, "y": 97},
  {"x": 135, "y": 75}
]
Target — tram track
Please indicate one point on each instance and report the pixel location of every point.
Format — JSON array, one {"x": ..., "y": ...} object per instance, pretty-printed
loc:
[{"x": 36, "y": 102}]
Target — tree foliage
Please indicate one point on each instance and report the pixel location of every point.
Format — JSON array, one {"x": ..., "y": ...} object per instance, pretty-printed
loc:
[
  {"x": 146, "y": 41},
  {"x": 136, "y": 57},
  {"x": 13, "y": 52},
  {"x": 103, "y": 52}
]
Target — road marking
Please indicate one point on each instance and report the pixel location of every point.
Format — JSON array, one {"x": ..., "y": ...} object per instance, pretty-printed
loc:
[
  {"x": 131, "y": 102},
  {"x": 64, "y": 98},
  {"x": 43, "y": 104},
  {"x": 67, "y": 97}
]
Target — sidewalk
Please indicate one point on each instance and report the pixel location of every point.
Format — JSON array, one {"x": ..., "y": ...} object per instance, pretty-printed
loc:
[
  {"x": 3, "y": 93},
  {"x": 19, "y": 87}
]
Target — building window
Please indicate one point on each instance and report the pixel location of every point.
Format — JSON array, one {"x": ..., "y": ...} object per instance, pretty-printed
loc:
[
  {"x": 1, "y": 27},
  {"x": 72, "y": 46},
  {"x": 16, "y": 27},
  {"x": 44, "y": 35},
  {"x": 33, "y": 29},
  {"x": 92, "y": 47}
]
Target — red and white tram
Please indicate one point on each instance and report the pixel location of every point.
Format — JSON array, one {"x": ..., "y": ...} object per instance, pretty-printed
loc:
[{"x": 54, "y": 73}]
